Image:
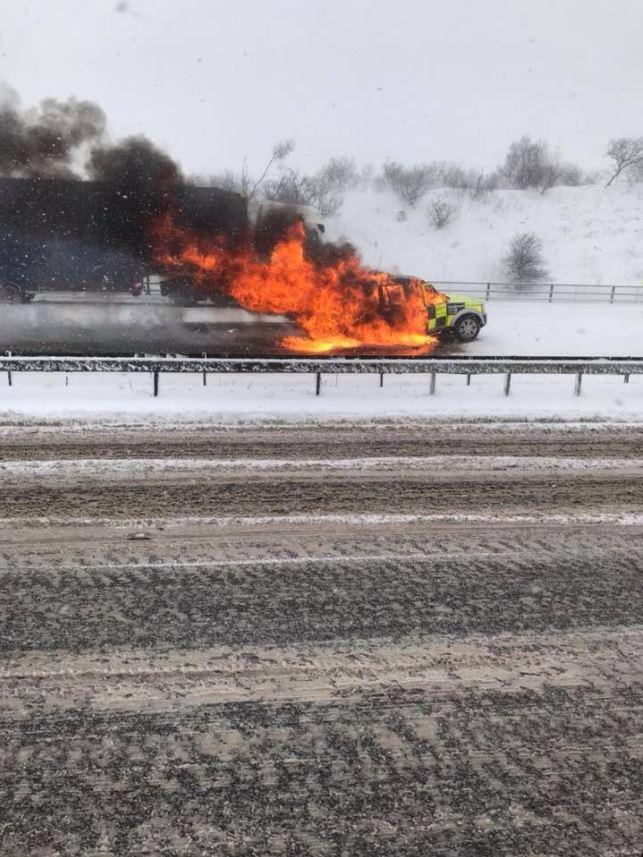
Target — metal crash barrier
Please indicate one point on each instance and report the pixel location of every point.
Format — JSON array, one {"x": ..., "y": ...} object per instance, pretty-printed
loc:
[{"x": 467, "y": 366}]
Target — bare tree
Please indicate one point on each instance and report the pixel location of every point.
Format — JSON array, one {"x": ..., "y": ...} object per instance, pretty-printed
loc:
[
  {"x": 291, "y": 186},
  {"x": 625, "y": 152},
  {"x": 280, "y": 152},
  {"x": 240, "y": 182},
  {"x": 532, "y": 164},
  {"x": 525, "y": 162},
  {"x": 524, "y": 262},
  {"x": 441, "y": 212},
  {"x": 550, "y": 176},
  {"x": 409, "y": 183}
]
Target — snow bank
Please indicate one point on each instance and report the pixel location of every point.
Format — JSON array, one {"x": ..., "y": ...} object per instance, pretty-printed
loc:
[
  {"x": 234, "y": 398},
  {"x": 590, "y": 234}
]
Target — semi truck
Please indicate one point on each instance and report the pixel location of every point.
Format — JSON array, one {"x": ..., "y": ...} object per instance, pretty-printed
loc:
[{"x": 83, "y": 236}]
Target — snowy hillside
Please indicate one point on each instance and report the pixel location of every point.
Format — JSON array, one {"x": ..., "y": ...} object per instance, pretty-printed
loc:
[{"x": 589, "y": 234}]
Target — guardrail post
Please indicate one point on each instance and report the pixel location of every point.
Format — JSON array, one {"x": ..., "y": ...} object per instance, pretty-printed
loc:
[
  {"x": 318, "y": 384},
  {"x": 577, "y": 385},
  {"x": 612, "y": 293},
  {"x": 507, "y": 383},
  {"x": 626, "y": 378},
  {"x": 432, "y": 384},
  {"x": 205, "y": 374},
  {"x": 156, "y": 383},
  {"x": 381, "y": 379},
  {"x": 487, "y": 293},
  {"x": 9, "y": 377},
  {"x": 468, "y": 379},
  {"x": 551, "y": 292}
]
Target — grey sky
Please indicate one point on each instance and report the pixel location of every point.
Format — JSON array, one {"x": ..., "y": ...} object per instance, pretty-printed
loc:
[{"x": 214, "y": 80}]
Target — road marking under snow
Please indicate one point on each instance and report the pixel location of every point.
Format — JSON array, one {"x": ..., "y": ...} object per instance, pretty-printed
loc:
[
  {"x": 357, "y": 519},
  {"x": 353, "y": 559},
  {"x": 96, "y": 467}
]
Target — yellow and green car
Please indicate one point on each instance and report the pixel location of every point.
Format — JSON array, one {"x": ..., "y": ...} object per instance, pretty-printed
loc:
[{"x": 461, "y": 316}]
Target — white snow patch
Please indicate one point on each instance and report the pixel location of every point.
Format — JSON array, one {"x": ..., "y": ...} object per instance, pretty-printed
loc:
[
  {"x": 99, "y": 398},
  {"x": 357, "y": 519},
  {"x": 590, "y": 234},
  {"x": 76, "y": 468}
]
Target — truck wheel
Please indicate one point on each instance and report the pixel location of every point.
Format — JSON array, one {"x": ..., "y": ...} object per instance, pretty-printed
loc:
[
  {"x": 184, "y": 299},
  {"x": 466, "y": 328},
  {"x": 10, "y": 294}
]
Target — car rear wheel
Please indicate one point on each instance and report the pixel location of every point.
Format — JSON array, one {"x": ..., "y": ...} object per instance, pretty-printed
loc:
[{"x": 466, "y": 328}]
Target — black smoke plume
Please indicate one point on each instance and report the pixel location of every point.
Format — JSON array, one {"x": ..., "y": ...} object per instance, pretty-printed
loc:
[
  {"x": 42, "y": 143},
  {"x": 54, "y": 225},
  {"x": 77, "y": 210}
]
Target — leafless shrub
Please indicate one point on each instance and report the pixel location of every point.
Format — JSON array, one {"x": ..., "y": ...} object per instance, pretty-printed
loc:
[
  {"x": 524, "y": 262},
  {"x": 412, "y": 183},
  {"x": 635, "y": 173},
  {"x": 327, "y": 187},
  {"x": 569, "y": 175},
  {"x": 409, "y": 183},
  {"x": 290, "y": 186},
  {"x": 441, "y": 212},
  {"x": 324, "y": 189},
  {"x": 482, "y": 184},
  {"x": 549, "y": 176},
  {"x": 626, "y": 153}
]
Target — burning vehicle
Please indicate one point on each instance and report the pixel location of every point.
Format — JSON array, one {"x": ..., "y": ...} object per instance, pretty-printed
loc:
[
  {"x": 207, "y": 244},
  {"x": 336, "y": 302},
  {"x": 130, "y": 216}
]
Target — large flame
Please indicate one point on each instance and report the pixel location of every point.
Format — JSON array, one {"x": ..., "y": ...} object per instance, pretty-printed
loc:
[{"x": 338, "y": 305}]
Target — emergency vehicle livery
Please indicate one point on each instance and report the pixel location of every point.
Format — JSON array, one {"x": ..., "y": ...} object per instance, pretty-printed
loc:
[{"x": 461, "y": 316}]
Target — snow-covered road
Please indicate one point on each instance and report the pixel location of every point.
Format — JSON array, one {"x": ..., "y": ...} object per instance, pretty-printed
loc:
[
  {"x": 514, "y": 328},
  {"x": 567, "y": 329}
]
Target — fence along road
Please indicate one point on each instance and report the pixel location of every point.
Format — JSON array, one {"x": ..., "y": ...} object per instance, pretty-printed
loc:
[
  {"x": 541, "y": 291},
  {"x": 551, "y": 292},
  {"x": 624, "y": 366}
]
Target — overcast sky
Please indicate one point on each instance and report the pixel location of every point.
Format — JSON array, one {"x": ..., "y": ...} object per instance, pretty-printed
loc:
[{"x": 414, "y": 80}]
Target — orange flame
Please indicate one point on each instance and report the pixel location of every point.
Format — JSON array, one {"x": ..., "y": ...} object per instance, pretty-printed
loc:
[{"x": 339, "y": 305}]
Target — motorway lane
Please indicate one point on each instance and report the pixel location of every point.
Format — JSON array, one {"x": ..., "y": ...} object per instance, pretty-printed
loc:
[
  {"x": 258, "y": 675},
  {"x": 129, "y": 328}
]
